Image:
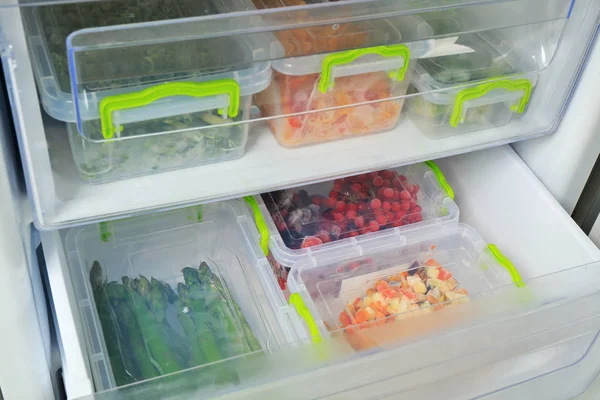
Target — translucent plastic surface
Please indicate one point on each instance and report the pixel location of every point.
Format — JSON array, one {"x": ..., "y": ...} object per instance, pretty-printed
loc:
[
  {"x": 168, "y": 292},
  {"x": 394, "y": 276},
  {"x": 317, "y": 217},
  {"x": 441, "y": 79},
  {"x": 522, "y": 341}
]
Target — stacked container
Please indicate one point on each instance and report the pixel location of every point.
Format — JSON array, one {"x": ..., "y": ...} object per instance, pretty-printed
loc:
[
  {"x": 447, "y": 106},
  {"x": 139, "y": 110},
  {"x": 330, "y": 214}
]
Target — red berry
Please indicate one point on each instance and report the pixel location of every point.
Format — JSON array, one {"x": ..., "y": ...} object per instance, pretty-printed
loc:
[
  {"x": 390, "y": 216},
  {"x": 416, "y": 188},
  {"x": 373, "y": 226},
  {"x": 418, "y": 218},
  {"x": 338, "y": 216},
  {"x": 316, "y": 199},
  {"x": 356, "y": 187},
  {"x": 388, "y": 192},
  {"x": 375, "y": 204},
  {"x": 310, "y": 241},
  {"x": 405, "y": 195},
  {"x": 362, "y": 207},
  {"x": 397, "y": 223},
  {"x": 416, "y": 209},
  {"x": 337, "y": 187},
  {"x": 339, "y": 181},
  {"x": 402, "y": 178},
  {"x": 387, "y": 183},
  {"x": 381, "y": 220},
  {"x": 352, "y": 207},
  {"x": 359, "y": 222},
  {"x": 396, "y": 195},
  {"x": 396, "y": 206},
  {"x": 362, "y": 231},
  {"x": 351, "y": 214},
  {"x": 386, "y": 205},
  {"x": 387, "y": 174},
  {"x": 410, "y": 187},
  {"x": 340, "y": 205},
  {"x": 372, "y": 175},
  {"x": 333, "y": 194},
  {"x": 396, "y": 183},
  {"x": 377, "y": 212},
  {"x": 378, "y": 181},
  {"x": 380, "y": 192},
  {"x": 412, "y": 204},
  {"x": 399, "y": 215},
  {"x": 331, "y": 202},
  {"x": 405, "y": 205}
]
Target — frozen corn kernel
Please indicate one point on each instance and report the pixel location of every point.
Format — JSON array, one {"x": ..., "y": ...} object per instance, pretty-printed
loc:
[{"x": 432, "y": 272}]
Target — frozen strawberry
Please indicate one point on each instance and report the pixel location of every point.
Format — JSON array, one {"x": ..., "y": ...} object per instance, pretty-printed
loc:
[{"x": 310, "y": 241}]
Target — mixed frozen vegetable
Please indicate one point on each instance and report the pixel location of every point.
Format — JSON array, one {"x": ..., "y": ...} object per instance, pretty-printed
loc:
[
  {"x": 152, "y": 329},
  {"x": 429, "y": 287},
  {"x": 293, "y": 94}
]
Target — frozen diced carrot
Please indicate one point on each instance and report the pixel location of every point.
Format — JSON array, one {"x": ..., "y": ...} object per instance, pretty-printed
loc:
[
  {"x": 345, "y": 319},
  {"x": 444, "y": 274}
]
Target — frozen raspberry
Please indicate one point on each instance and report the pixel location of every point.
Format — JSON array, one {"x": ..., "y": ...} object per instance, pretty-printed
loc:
[
  {"x": 373, "y": 226},
  {"x": 310, "y": 241},
  {"x": 375, "y": 204}
]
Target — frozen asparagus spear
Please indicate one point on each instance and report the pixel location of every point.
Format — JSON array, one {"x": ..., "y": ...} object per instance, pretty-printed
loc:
[
  {"x": 134, "y": 349},
  {"x": 123, "y": 373},
  {"x": 221, "y": 285},
  {"x": 158, "y": 345}
]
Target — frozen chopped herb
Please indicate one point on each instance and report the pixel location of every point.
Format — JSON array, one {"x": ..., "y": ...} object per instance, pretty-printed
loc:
[{"x": 140, "y": 64}]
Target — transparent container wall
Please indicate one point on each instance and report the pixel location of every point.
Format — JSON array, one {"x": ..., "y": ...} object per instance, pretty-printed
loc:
[
  {"x": 425, "y": 271},
  {"x": 105, "y": 161},
  {"x": 446, "y": 107},
  {"x": 164, "y": 293},
  {"x": 484, "y": 347},
  {"x": 109, "y": 64},
  {"x": 318, "y": 216}
]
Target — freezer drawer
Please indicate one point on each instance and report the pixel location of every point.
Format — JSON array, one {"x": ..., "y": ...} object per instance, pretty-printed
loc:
[
  {"x": 554, "y": 37},
  {"x": 507, "y": 337}
]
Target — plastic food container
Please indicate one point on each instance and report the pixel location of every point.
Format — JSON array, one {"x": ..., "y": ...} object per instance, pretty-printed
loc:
[
  {"x": 447, "y": 107},
  {"x": 318, "y": 217},
  {"x": 49, "y": 26},
  {"x": 158, "y": 294},
  {"x": 350, "y": 84},
  {"x": 389, "y": 278}
]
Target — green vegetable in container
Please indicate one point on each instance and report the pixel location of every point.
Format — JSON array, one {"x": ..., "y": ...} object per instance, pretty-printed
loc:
[{"x": 123, "y": 371}]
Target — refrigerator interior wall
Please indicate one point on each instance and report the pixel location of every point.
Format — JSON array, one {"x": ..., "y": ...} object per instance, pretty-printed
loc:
[
  {"x": 60, "y": 198},
  {"x": 517, "y": 333}
]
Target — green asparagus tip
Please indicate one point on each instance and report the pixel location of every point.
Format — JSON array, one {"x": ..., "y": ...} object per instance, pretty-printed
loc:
[
  {"x": 125, "y": 280},
  {"x": 96, "y": 275},
  {"x": 143, "y": 285},
  {"x": 191, "y": 276}
]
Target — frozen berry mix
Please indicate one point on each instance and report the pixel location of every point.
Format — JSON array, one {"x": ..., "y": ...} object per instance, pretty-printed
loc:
[
  {"x": 428, "y": 286},
  {"x": 344, "y": 208}
]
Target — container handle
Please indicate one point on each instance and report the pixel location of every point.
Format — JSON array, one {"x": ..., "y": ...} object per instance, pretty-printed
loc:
[
  {"x": 345, "y": 57},
  {"x": 472, "y": 93},
  {"x": 110, "y": 104},
  {"x": 506, "y": 263},
  {"x": 260, "y": 224},
  {"x": 441, "y": 178},
  {"x": 298, "y": 303}
]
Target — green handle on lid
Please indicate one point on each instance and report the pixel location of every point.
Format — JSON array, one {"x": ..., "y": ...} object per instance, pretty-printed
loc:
[
  {"x": 505, "y": 262},
  {"x": 472, "y": 93},
  {"x": 345, "y": 57},
  {"x": 260, "y": 224},
  {"x": 297, "y": 301},
  {"x": 441, "y": 178},
  {"x": 110, "y": 104}
]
